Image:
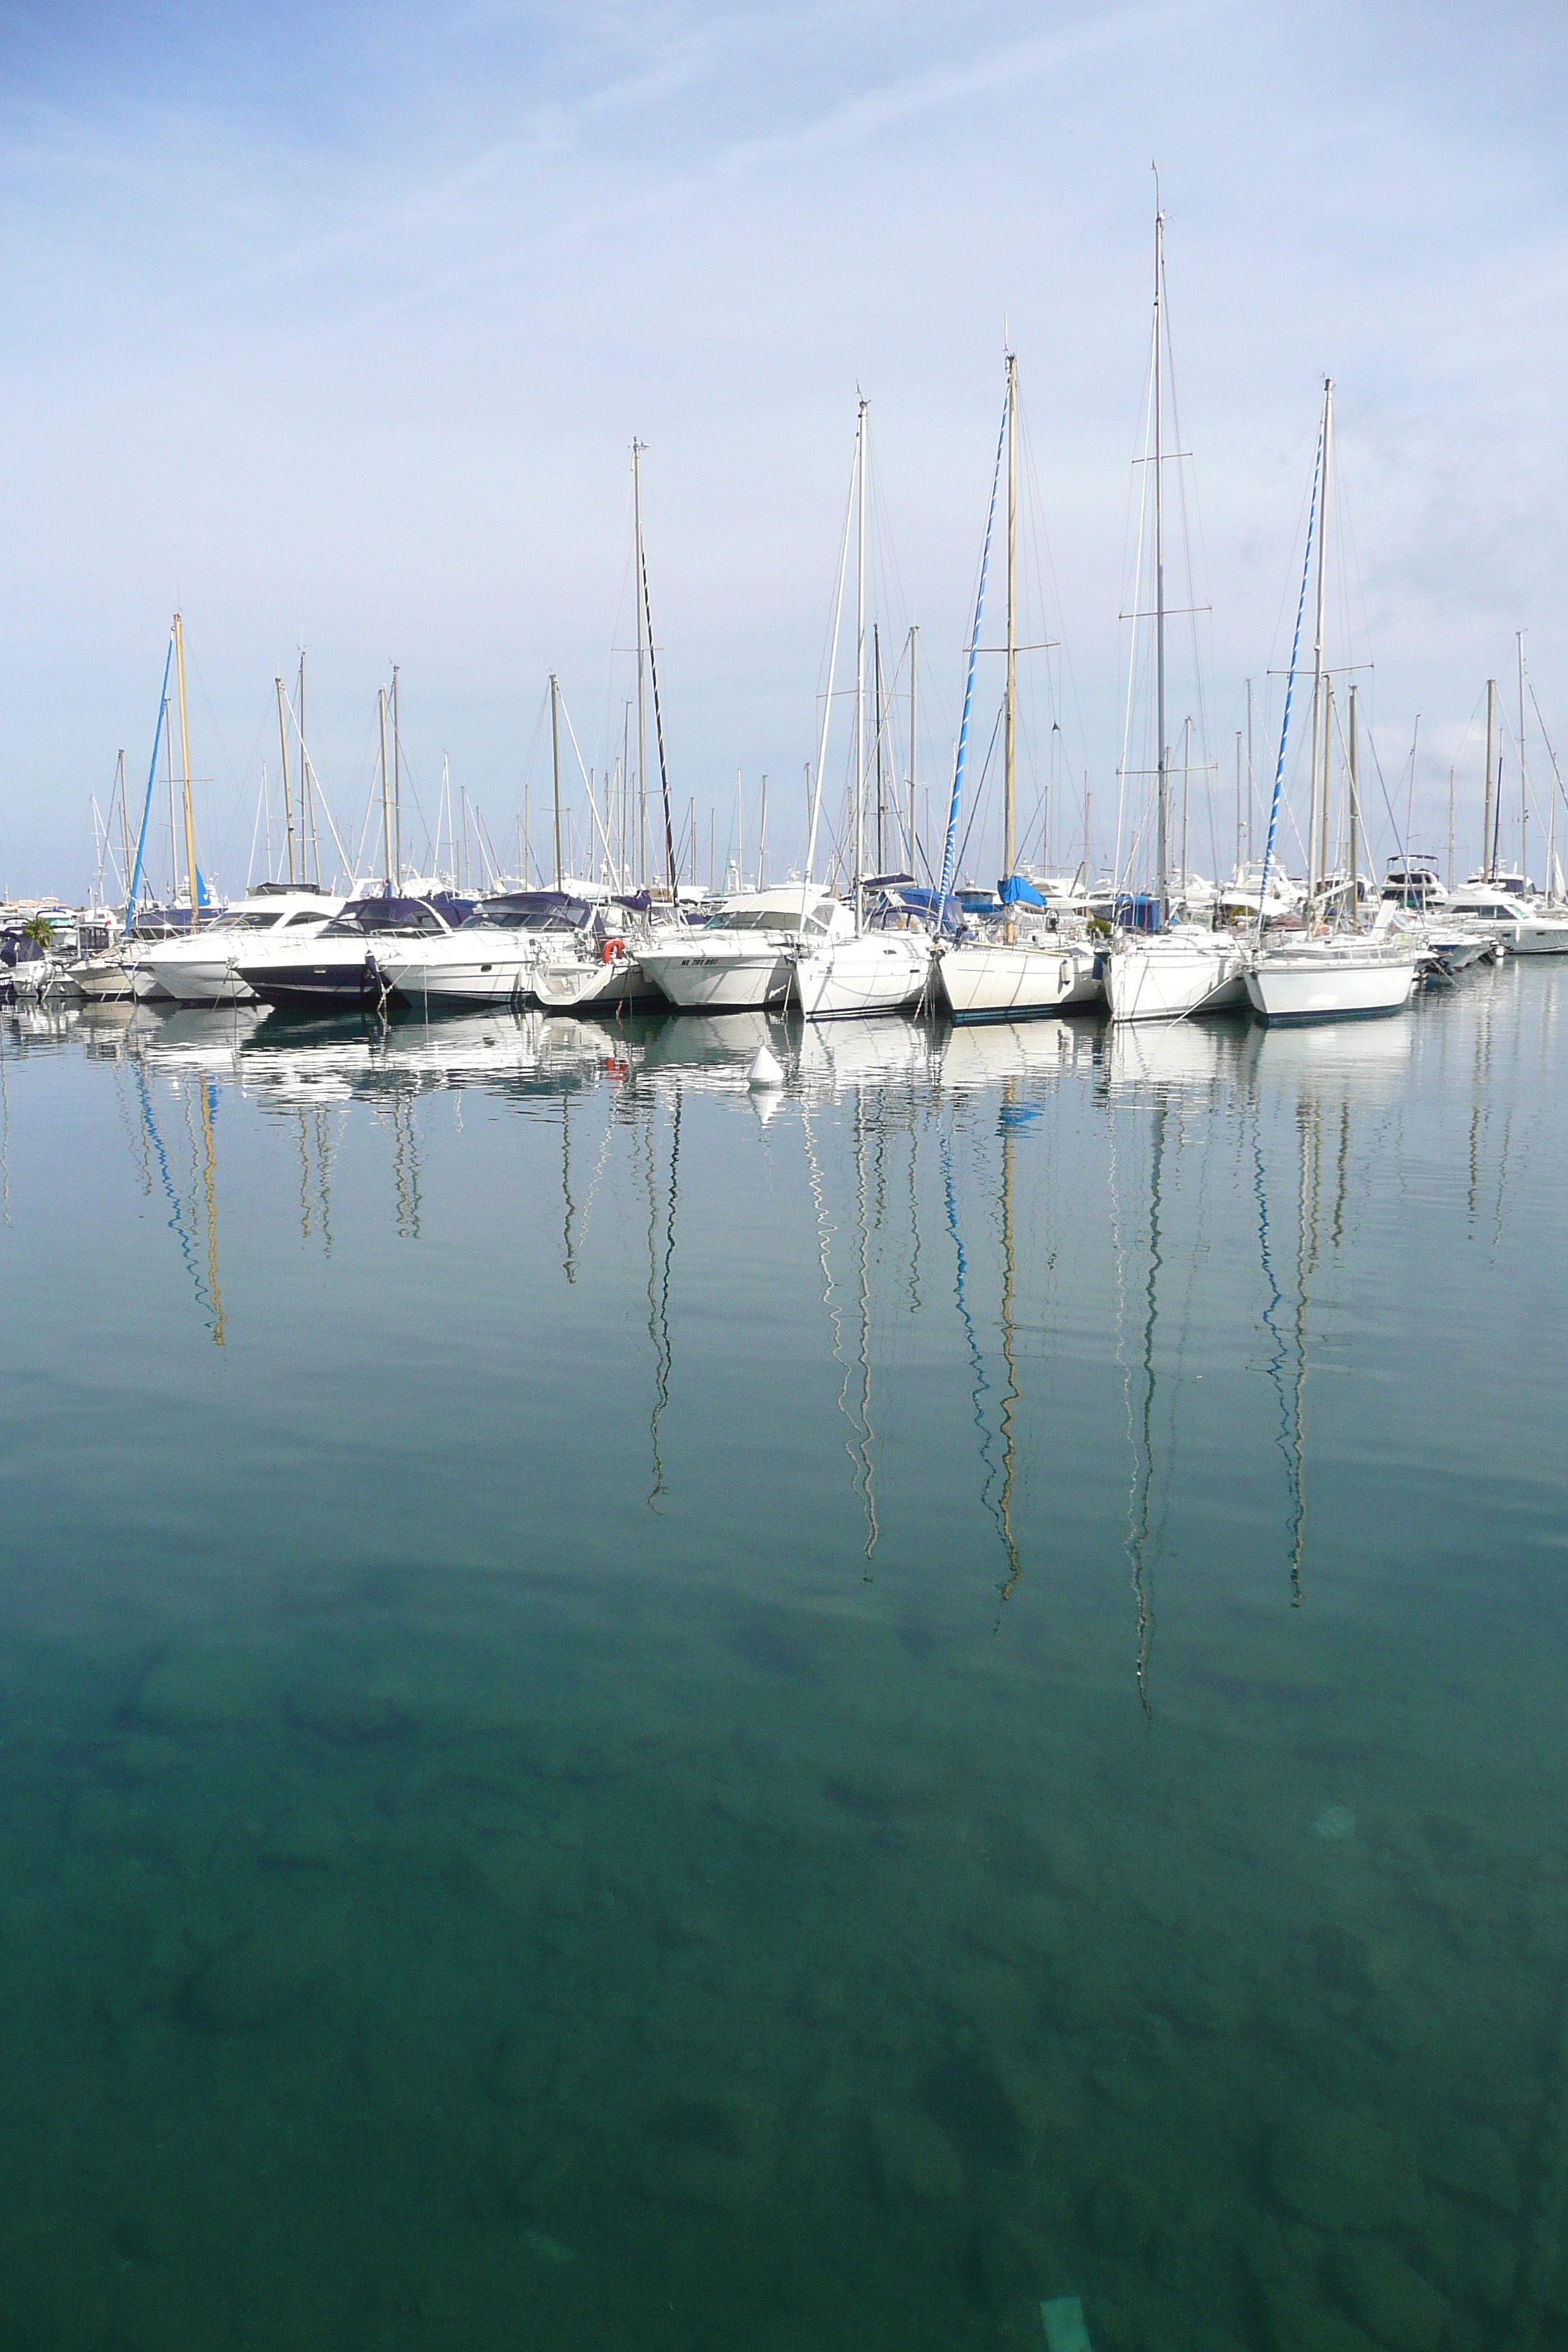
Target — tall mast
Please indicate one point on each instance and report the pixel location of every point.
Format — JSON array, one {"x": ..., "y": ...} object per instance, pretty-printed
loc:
[
  {"x": 914, "y": 635},
  {"x": 859, "y": 656},
  {"x": 386, "y": 790},
  {"x": 283, "y": 752},
  {"x": 762, "y": 836},
  {"x": 877, "y": 715},
  {"x": 396, "y": 781},
  {"x": 191, "y": 876},
  {"x": 637, "y": 448},
  {"x": 1249, "y": 771},
  {"x": 1523, "y": 792},
  {"x": 1354, "y": 813},
  {"x": 1009, "y": 810},
  {"x": 125, "y": 830},
  {"x": 555, "y": 767},
  {"x": 310, "y": 847},
  {"x": 1319, "y": 711},
  {"x": 1488, "y": 860},
  {"x": 169, "y": 778},
  {"x": 1161, "y": 864}
]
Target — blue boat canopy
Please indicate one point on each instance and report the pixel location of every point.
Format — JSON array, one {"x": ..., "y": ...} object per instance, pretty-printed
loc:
[{"x": 1017, "y": 890}]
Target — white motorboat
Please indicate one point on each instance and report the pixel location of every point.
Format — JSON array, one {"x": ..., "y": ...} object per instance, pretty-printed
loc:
[
  {"x": 339, "y": 962},
  {"x": 200, "y": 967},
  {"x": 1168, "y": 974},
  {"x": 1509, "y": 917},
  {"x": 493, "y": 956},
  {"x": 1340, "y": 978},
  {"x": 745, "y": 960}
]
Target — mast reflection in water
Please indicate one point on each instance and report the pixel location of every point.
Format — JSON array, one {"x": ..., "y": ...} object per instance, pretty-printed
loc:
[{"x": 788, "y": 1721}]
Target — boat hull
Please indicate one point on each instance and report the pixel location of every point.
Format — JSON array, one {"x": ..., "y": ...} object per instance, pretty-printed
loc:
[
  {"x": 193, "y": 983},
  {"x": 610, "y": 987},
  {"x": 505, "y": 979},
  {"x": 320, "y": 983},
  {"x": 1166, "y": 979},
  {"x": 995, "y": 981},
  {"x": 103, "y": 981},
  {"x": 1297, "y": 989},
  {"x": 695, "y": 982},
  {"x": 879, "y": 972}
]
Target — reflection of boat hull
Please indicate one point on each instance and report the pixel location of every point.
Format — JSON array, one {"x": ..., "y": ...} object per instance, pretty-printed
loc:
[
  {"x": 993, "y": 981},
  {"x": 1163, "y": 979},
  {"x": 1329, "y": 984},
  {"x": 698, "y": 982},
  {"x": 876, "y": 971}
]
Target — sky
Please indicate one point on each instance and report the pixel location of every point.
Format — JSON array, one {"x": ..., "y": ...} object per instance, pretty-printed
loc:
[{"x": 333, "y": 327}]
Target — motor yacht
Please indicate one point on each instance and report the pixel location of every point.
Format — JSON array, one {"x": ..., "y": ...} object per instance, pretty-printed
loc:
[
  {"x": 1503, "y": 912},
  {"x": 493, "y": 956},
  {"x": 339, "y": 963},
  {"x": 200, "y": 967},
  {"x": 744, "y": 959}
]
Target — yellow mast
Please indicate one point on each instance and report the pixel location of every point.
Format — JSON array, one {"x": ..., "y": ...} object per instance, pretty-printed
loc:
[{"x": 185, "y": 773}]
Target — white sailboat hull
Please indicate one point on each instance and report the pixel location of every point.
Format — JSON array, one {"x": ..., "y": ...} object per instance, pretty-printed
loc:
[
  {"x": 878, "y": 971},
  {"x": 1329, "y": 983},
  {"x": 608, "y": 985},
  {"x": 992, "y": 980},
  {"x": 1164, "y": 978}
]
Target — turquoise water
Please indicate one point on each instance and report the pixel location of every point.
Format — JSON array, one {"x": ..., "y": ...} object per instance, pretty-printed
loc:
[{"x": 631, "y": 1717}]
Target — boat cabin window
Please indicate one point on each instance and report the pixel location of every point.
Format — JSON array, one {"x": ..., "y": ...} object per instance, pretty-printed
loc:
[
  {"x": 257, "y": 921},
  {"x": 309, "y": 915}
]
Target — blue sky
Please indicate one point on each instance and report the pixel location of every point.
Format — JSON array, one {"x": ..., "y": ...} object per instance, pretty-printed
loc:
[{"x": 334, "y": 324}]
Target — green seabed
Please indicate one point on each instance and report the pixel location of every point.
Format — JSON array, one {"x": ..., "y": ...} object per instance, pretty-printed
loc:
[{"x": 635, "y": 1718}]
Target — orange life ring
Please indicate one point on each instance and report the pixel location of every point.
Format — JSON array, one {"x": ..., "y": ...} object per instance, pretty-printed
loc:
[{"x": 611, "y": 950}]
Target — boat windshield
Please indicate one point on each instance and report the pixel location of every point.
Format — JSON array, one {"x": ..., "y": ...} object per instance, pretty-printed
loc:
[
  {"x": 384, "y": 915},
  {"x": 259, "y": 919},
  {"x": 542, "y": 910},
  {"x": 782, "y": 916}
]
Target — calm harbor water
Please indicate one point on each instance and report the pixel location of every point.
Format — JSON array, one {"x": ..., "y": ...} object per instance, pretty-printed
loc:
[{"x": 632, "y": 1717}]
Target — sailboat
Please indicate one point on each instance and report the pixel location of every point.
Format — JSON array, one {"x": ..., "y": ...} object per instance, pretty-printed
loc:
[
  {"x": 1336, "y": 973},
  {"x": 856, "y": 968},
  {"x": 1178, "y": 969},
  {"x": 1014, "y": 973}
]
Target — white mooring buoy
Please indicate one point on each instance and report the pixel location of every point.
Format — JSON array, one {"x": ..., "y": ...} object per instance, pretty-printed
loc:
[{"x": 764, "y": 1071}]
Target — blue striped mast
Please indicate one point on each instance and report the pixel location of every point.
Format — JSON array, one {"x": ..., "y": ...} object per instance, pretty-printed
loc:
[
  {"x": 147, "y": 803},
  {"x": 948, "y": 847},
  {"x": 1291, "y": 680}
]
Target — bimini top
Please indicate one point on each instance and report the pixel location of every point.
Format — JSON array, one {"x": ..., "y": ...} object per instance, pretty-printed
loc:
[
  {"x": 370, "y": 915},
  {"x": 944, "y": 915},
  {"x": 530, "y": 910}
]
